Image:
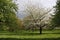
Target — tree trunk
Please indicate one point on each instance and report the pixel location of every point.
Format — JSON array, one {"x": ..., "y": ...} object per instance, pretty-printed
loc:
[{"x": 40, "y": 30}]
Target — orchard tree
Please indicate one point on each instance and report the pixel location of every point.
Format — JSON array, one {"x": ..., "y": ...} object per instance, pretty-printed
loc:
[{"x": 36, "y": 16}]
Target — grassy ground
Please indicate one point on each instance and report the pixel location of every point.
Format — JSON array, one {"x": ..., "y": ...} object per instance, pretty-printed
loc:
[{"x": 31, "y": 35}]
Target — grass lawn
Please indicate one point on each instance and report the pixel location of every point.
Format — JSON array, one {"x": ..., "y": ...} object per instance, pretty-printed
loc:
[{"x": 30, "y": 35}]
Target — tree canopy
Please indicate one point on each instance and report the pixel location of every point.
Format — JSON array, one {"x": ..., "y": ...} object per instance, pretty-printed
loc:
[
  {"x": 56, "y": 18},
  {"x": 8, "y": 11}
]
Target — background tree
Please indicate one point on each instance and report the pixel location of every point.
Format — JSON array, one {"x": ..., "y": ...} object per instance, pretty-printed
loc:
[
  {"x": 56, "y": 17},
  {"x": 8, "y": 19}
]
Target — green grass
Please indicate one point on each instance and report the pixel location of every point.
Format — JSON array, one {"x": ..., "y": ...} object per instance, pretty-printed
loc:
[{"x": 31, "y": 35}]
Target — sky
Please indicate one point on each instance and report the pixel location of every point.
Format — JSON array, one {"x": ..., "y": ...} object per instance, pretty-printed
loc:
[
  {"x": 44, "y": 3},
  {"x": 48, "y": 3}
]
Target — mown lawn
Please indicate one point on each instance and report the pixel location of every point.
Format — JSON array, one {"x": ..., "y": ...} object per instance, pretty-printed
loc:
[{"x": 31, "y": 35}]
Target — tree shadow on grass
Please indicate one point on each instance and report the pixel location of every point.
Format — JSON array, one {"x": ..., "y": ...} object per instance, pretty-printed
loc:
[
  {"x": 30, "y": 39},
  {"x": 30, "y": 34},
  {"x": 38, "y": 33},
  {"x": 50, "y": 33}
]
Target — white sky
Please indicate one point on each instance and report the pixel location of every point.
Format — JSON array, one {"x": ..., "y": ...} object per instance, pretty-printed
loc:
[
  {"x": 44, "y": 3},
  {"x": 48, "y": 3}
]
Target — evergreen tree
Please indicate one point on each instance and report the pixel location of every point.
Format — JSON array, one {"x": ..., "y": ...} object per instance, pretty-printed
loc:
[{"x": 56, "y": 18}]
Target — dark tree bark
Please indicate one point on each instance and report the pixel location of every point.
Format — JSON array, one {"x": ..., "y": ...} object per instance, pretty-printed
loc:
[{"x": 40, "y": 30}]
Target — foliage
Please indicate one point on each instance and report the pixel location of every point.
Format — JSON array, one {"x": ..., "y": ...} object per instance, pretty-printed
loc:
[
  {"x": 20, "y": 24},
  {"x": 36, "y": 17},
  {"x": 56, "y": 18},
  {"x": 8, "y": 19}
]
